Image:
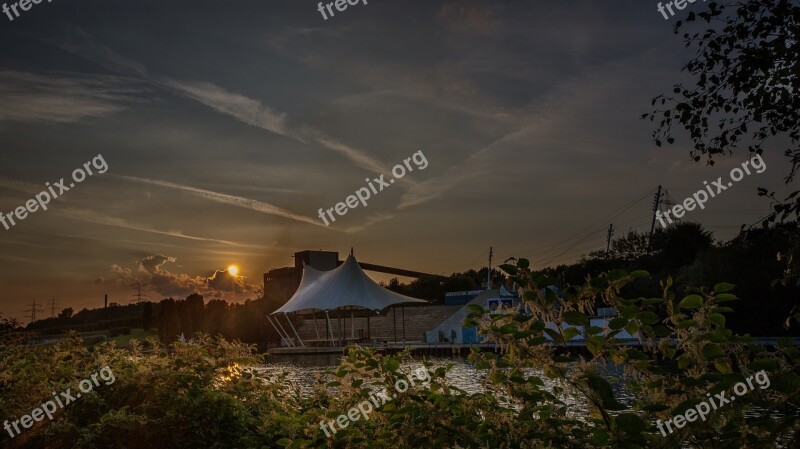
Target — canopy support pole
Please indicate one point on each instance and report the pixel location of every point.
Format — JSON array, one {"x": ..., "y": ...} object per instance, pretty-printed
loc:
[
  {"x": 315, "y": 323},
  {"x": 295, "y": 330},
  {"x": 284, "y": 335},
  {"x": 288, "y": 338},
  {"x": 352, "y": 325},
  {"x": 275, "y": 327},
  {"x": 403, "y": 309},
  {"x": 369, "y": 335},
  {"x": 394, "y": 321},
  {"x": 328, "y": 324}
]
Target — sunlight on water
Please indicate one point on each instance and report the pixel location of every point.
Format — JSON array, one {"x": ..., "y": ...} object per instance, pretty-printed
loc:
[{"x": 301, "y": 371}]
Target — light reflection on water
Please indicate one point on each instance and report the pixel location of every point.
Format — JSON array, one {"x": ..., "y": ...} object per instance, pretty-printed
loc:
[{"x": 302, "y": 370}]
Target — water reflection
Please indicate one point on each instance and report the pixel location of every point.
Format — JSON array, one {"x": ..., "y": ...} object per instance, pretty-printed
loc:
[{"x": 302, "y": 370}]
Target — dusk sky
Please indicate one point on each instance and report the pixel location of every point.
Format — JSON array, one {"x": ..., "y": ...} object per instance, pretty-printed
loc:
[{"x": 226, "y": 126}]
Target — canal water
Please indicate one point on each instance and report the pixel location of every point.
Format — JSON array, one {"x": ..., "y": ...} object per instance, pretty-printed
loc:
[{"x": 303, "y": 370}]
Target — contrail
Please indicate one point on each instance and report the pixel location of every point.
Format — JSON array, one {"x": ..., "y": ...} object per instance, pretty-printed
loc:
[{"x": 245, "y": 203}]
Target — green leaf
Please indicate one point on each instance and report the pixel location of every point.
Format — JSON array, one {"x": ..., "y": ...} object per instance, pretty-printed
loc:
[
  {"x": 570, "y": 333},
  {"x": 629, "y": 312},
  {"x": 576, "y": 318},
  {"x": 717, "y": 319},
  {"x": 599, "y": 437},
  {"x": 603, "y": 389},
  {"x": 392, "y": 364},
  {"x": 631, "y": 423},
  {"x": 691, "y": 302},
  {"x": 763, "y": 364},
  {"x": 712, "y": 351},
  {"x": 617, "y": 323},
  {"x": 723, "y": 287},
  {"x": 640, "y": 274},
  {"x": 635, "y": 354},
  {"x": 554, "y": 335},
  {"x": 723, "y": 366},
  {"x": 725, "y": 297},
  {"x": 595, "y": 344},
  {"x": 594, "y": 330},
  {"x": 476, "y": 309},
  {"x": 510, "y": 269},
  {"x": 647, "y": 317}
]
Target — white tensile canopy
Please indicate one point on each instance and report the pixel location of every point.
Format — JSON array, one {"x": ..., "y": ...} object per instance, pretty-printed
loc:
[{"x": 346, "y": 286}]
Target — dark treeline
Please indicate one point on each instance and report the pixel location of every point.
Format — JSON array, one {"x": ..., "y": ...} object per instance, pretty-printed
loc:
[
  {"x": 688, "y": 253},
  {"x": 246, "y": 322},
  {"x": 433, "y": 288},
  {"x": 172, "y": 317}
]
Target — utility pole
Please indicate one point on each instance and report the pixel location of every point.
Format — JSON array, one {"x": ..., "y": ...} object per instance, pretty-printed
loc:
[
  {"x": 608, "y": 240},
  {"x": 53, "y": 305},
  {"x": 34, "y": 308},
  {"x": 489, "y": 272},
  {"x": 656, "y": 204},
  {"x": 139, "y": 295}
]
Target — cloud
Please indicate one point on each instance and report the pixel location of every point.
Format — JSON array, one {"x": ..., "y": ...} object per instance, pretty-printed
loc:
[
  {"x": 152, "y": 264},
  {"x": 93, "y": 217},
  {"x": 232, "y": 200},
  {"x": 154, "y": 277},
  {"x": 67, "y": 98},
  {"x": 244, "y": 109},
  {"x": 222, "y": 280},
  {"x": 254, "y": 113}
]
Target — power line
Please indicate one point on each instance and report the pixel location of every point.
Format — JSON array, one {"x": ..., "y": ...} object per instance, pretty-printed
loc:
[
  {"x": 624, "y": 209},
  {"x": 53, "y": 305}
]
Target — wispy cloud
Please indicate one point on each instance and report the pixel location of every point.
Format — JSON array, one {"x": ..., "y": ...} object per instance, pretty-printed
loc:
[
  {"x": 377, "y": 218},
  {"x": 62, "y": 98},
  {"x": 88, "y": 216},
  {"x": 245, "y": 109},
  {"x": 232, "y": 200}
]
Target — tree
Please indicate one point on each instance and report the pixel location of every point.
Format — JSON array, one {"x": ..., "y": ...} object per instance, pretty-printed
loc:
[
  {"x": 147, "y": 316},
  {"x": 8, "y": 326},
  {"x": 169, "y": 322},
  {"x": 66, "y": 313},
  {"x": 743, "y": 91}
]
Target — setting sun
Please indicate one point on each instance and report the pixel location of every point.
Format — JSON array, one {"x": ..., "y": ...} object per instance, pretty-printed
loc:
[{"x": 233, "y": 270}]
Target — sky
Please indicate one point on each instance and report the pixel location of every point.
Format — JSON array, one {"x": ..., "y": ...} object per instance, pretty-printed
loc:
[{"x": 224, "y": 127}]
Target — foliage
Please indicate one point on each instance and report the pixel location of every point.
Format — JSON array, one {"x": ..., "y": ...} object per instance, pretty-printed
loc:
[
  {"x": 744, "y": 84},
  {"x": 538, "y": 393},
  {"x": 686, "y": 351}
]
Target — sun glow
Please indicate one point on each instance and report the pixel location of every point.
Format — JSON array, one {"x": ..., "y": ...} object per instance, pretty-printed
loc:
[{"x": 233, "y": 270}]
